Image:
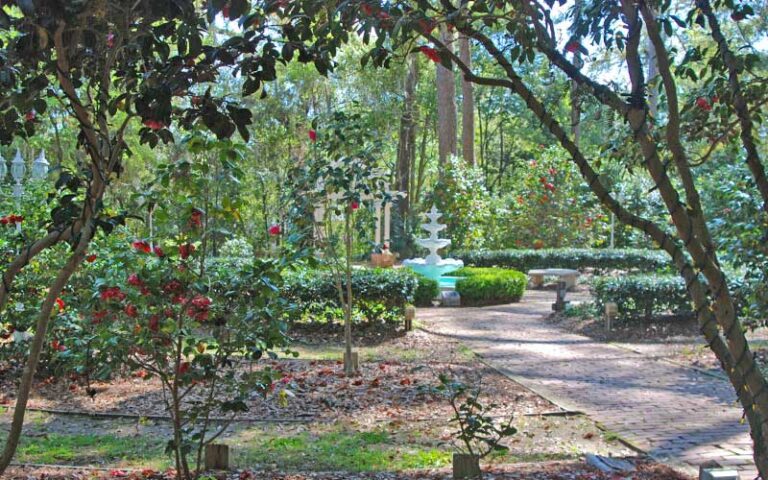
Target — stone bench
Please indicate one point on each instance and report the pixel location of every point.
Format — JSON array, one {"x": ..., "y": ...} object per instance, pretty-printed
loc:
[{"x": 568, "y": 276}]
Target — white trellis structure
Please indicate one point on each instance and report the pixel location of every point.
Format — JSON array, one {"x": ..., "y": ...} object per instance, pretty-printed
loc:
[{"x": 382, "y": 213}]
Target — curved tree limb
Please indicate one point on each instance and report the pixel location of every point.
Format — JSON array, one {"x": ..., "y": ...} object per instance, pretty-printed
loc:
[{"x": 739, "y": 102}]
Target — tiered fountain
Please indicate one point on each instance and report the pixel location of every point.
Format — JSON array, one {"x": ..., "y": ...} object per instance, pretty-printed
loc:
[{"x": 433, "y": 266}]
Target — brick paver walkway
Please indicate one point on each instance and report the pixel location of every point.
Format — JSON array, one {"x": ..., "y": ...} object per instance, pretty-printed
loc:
[{"x": 678, "y": 415}]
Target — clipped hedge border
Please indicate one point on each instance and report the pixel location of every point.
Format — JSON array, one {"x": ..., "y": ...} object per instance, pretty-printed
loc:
[
  {"x": 374, "y": 290},
  {"x": 642, "y": 296},
  {"x": 426, "y": 291},
  {"x": 572, "y": 258},
  {"x": 489, "y": 286}
]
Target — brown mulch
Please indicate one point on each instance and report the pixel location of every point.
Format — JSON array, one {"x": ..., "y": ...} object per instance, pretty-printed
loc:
[
  {"x": 668, "y": 328},
  {"x": 318, "y": 389},
  {"x": 536, "y": 471}
]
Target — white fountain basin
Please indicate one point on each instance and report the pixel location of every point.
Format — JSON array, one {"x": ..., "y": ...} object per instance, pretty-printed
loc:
[{"x": 433, "y": 270}]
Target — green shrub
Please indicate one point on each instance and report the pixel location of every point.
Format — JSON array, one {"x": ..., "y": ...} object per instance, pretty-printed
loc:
[
  {"x": 646, "y": 296},
  {"x": 642, "y": 296},
  {"x": 379, "y": 294},
  {"x": 573, "y": 258},
  {"x": 489, "y": 286},
  {"x": 426, "y": 290}
]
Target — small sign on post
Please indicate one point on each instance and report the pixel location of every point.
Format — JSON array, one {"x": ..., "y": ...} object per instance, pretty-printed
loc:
[
  {"x": 611, "y": 311},
  {"x": 410, "y": 314}
]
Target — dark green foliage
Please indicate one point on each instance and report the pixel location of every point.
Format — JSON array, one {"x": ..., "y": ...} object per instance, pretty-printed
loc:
[
  {"x": 647, "y": 296},
  {"x": 479, "y": 433},
  {"x": 426, "y": 290},
  {"x": 642, "y": 295},
  {"x": 574, "y": 258},
  {"x": 378, "y": 293},
  {"x": 490, "y": 286}
]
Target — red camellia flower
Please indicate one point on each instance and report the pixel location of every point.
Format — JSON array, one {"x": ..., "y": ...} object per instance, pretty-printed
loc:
[
  {"x": 738, "y": 16},
  {"x": 158, "y": 251},
  {"x": 196, "y": 218},
  {"x": 98, "y": 316},
  {"x": 110, "y": 293},
  {"x": 60, "y": 303},
  {"x": 550, "y": 187},
  {"x": 431, "y": 53},
  {"x": 313, "y": 135},
  {"x": 55, "y": 345},
  {"x": 154, "y": 124},
  {"x": 174, "y": 286},
  {"x": 90, "y": 258},
  {"x": 367, "y": 9},
  {"x": 383, "y": 15},
  {"x": 552, "y": 171},
  {"x": 154, "y": 323},
  {"x": 145, "y": 291},
  {"x": 572, "y": 46},
  {"x": 30, "y": 116},
  {"x": 275, "y": 230},
  {"x": 183, "y": 368},
  {"x": 142, "y": 246},
  {"x": 11, "y": 219},
  {"x": 186, "y": 250},
  {"x": 703, "y": 104},
  {"x": 134, "y": 280},
  {"x": 354, "y": 205},
  {"x": 131, "y": 310}
]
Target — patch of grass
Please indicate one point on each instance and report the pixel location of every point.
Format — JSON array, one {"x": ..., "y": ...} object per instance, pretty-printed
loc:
[
  {"x": 465, "y": 352},
  {"x": 370, "y": 451},
  {"x": 85, "y": 449},
  {"x": 367, "y": 354},
  {"x": 582, "y": 310}
]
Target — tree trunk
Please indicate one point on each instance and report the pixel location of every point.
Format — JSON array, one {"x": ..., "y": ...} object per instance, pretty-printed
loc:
[
  {"x": 406, "y": 151},
  {"x": 36, "y": 347},
  {"x": 446, "y": 105},
  {"x": 467, "y": 106},
  {"x": 349, "y": 364}
]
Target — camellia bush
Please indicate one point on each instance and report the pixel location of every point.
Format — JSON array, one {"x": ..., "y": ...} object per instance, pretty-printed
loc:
[
  {"x": 489, "y": 286},
  {"x": 152, "y": 314}
]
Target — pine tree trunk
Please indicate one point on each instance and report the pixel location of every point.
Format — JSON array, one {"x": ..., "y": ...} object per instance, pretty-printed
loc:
[
  {"x": 446, "y": 105},
  {"x": 467, "y": 106},
  {"x": 406, "y": 151}
]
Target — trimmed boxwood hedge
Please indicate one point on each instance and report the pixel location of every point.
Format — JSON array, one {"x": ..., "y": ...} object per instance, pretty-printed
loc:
[
  {"x": 642, "y": 296},
  {"x": 573, "y": 258},
  {"x": 379, "y": 293},
  {"x": 646, "y": 296},
  {"x": 426, "y": 290},
  {"x": 489, "y": 286}
]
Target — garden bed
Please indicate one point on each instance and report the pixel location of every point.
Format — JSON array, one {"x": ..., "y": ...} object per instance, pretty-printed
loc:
[
  {"x": 391, "y": 379},
  {"x": 535, "y": 471}
]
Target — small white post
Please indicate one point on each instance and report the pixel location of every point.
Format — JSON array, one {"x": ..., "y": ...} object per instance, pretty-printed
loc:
[
  {"x": 387, "y": 218},
  {"x": 377, "y": 235}
]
